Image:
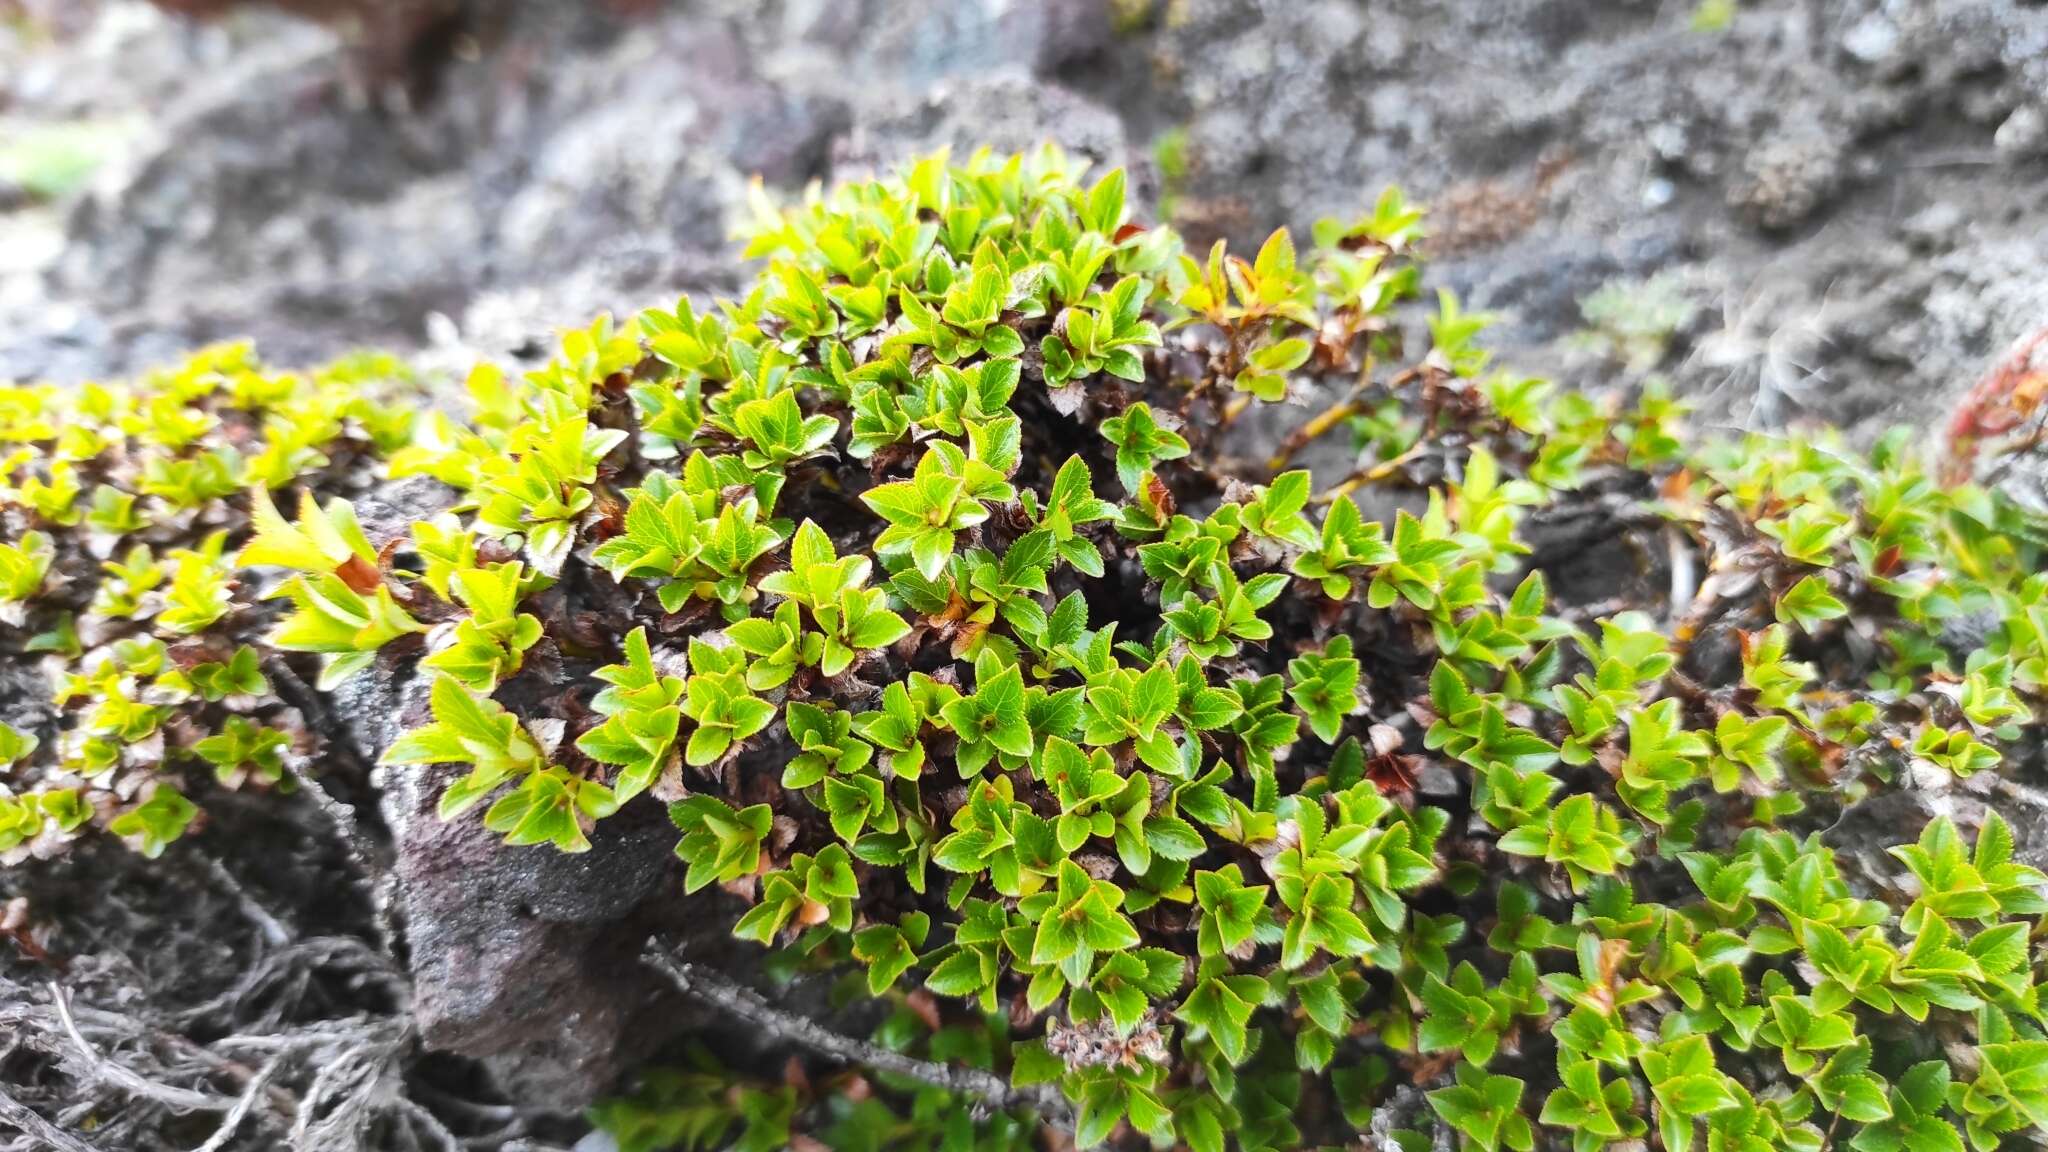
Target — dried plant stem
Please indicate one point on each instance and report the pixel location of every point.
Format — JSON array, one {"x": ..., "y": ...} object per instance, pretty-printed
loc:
[
  {"x": 719, "y": 991},
  {"x": 1366, "y": 474},
  {"x": 1320, "y": 424},
  {"x": 100, "y": 1070},
  {"x": 1310, "y": 432},
  {"x": 274, "y": 932},
  {"x": 15, "y": 1114},
  {"x": 1235, "y": 408},
  {"x": 232, "y": 1122},
  {"x": 1700, "y": 611},
  {"x": 1684, "y": 574},
  {"x": 372, "y": 875}
]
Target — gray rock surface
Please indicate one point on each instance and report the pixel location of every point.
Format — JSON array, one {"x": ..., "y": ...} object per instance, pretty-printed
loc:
[
  {"x": 526, "y": 959},
  {"x": 1778, "y": 171}
]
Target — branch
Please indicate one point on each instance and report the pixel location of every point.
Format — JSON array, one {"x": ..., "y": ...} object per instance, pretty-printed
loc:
[
  {"x": 718, "y": 991},
  {"x": 1685, "y": 575},
  {"x": 15, "y": 1114},
  {"x": 274, "y": 932},
  {"x": 375, "y": 879},
  {"x": 99, "y": 1070},
  {"x": 232, "y": 1122},
  {"x": 55, "y": 1030}
]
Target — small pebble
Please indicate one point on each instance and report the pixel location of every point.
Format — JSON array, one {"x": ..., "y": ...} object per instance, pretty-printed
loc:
[
  {"x": 2024, "y": 135},
  {"x": 1872, "y": 39},
  {"x": 1436, "y": 780},
  {"x": 1935, "y": 226},
  {"x": 1668, "y": 140}
]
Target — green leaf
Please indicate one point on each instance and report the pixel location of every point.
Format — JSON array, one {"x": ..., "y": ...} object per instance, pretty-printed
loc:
[
  {"x": 1486, "y": 1110},
  {"x": 1221, "y": 1008},
  {"x": 1141, "y": 443},
  {"x": 155, "y": 823},
  {"x": 1809, "y": 604}
]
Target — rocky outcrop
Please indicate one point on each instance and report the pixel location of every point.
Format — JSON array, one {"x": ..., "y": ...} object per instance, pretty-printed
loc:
[
  {"x": 528, "y": 958},
  {"x": 524, "y": 958}
]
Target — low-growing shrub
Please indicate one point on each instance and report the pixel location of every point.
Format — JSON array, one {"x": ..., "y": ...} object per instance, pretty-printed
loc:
[{"x": 955, "y": 592}]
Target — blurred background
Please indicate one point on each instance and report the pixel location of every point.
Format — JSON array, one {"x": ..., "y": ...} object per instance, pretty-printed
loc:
[{"x": 1789, "y": 207}]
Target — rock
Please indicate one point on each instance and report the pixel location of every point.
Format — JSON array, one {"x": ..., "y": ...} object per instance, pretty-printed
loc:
[
  {"x": 1007, "y": 111},
  {"x": 914, "y": 46},
  {"x": 524, "y": 958},
  {"x": 1669, "y": 141},
  {"x": 388, "y": 511},
  {"x": 1434, "y": 779},
  {"x": 1786, "y": 179},
  {"x": 1936, "y": 226},
  {"x": 390, "y": 31},
  {"x": 1407, "y": 1110},
  {"x": 1293, "y": 110},
  {"x": 25, "y": 698},
  {"x": 647, "y": 168},
  {"x": 1873, "y": 39},
  {"x": 610, "y": 178},
  {"x": 2024, "y": 135}
]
